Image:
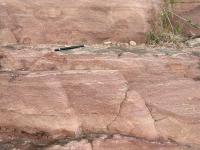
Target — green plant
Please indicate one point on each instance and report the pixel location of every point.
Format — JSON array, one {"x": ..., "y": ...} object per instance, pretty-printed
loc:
[
  {"x": 168, "y": 28},
  {"x": 152, "y": 38}
]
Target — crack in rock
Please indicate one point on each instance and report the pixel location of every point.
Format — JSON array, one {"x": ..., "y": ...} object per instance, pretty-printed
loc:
[
  {"x": 91, "y": 138},
  {"x": 150, "y": 111},
  {"x": 120, "y": 108},
  {"x": 157, "y": 120}
]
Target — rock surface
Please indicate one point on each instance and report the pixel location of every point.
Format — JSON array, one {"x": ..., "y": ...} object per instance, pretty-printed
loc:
[
  {"x": 150, "y": 99},
  {"x": 85, "y": 21},
  {"x": 77, "y": 21},
  {"x": 117, "y": 143},
  {"x": 193, "y": 42}
]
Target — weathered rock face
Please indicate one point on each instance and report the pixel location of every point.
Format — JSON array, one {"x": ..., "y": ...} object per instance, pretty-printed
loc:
[
  {"x": 56, "y": 95},
  {"x": 84, "y": 21},
  {"x": 89, "y": 101},
  {"x": 70, "y": 107},
  {"x": 117, "y": 142},
  {"x": 78, "y": 21}
]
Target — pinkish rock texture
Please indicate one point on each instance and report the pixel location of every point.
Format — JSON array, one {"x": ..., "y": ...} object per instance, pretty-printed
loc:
[
  {"x": 77, "y": 21},
  {"x": 120, "y": 143},
  {"x": 70, "y": 107},
  {"x": 56, "y": 95},
  {"x": 116, "y": 143},
  {"x": 84, "y": 21}
]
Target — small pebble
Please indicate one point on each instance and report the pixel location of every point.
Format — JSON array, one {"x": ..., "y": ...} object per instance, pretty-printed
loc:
[{"x": 132, "y": 43}]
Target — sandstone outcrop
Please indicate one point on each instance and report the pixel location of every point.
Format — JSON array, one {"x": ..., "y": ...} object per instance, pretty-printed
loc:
[
  {"x": 57, "y": 95},
  {"x": 85, "y": 21},
  {"x": 81, "y": 21},
  {"x": 117, "y": 142}
]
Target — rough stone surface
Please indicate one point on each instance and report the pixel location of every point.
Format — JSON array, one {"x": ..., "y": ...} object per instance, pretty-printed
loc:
[
  {"x": 117, "y": 143},
  {"x": 193, "y": 42},
  {"x": 85, "y": 21},
  {"x": 74, "y": 145},
  {"x": 137, "y": 121},
  {"x": 77, "y": 21},
  {"x": 152, "y": 99},
  {"x": 68, "y": 104},
  {"x": 132, "y": 144}
]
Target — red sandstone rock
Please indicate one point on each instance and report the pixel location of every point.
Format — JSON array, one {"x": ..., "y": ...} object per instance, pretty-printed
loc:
[
  {"x": 135, "y": 117},
  {"x": 128, "y": 144},
  {"x": 84, "y": 21},
  {"x": 153, "y": 98},
  {"x": 54, "y": 101},
  {"x": 75, "y": 21},
  {"x": 117, "y": 143},
  {"x": 175, "y": 108}
]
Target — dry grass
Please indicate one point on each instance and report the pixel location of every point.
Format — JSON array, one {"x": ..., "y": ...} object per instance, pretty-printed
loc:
[{"x": 168, "y": 28}]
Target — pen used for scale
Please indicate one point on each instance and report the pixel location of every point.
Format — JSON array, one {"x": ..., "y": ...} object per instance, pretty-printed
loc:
[{"x": 69, "y": 48}]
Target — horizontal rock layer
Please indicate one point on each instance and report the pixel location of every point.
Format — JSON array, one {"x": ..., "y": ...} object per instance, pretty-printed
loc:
[
  {"x": 154, "y": 98},
  {"x": 116, "y": 142},
  {"x": 85, "y": 21},
  {"x": 75, "y": 21}
]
